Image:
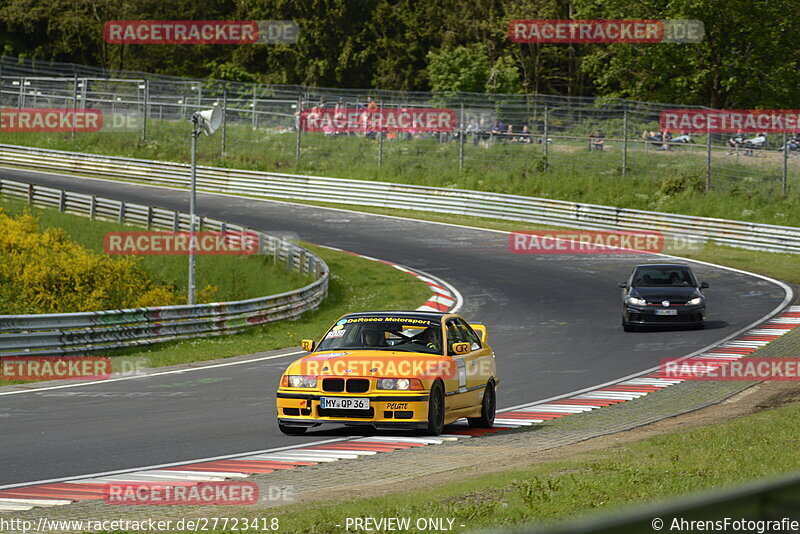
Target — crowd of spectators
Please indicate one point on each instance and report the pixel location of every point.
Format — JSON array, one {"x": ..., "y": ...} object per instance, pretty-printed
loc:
[{"x": 478, "y": 129}]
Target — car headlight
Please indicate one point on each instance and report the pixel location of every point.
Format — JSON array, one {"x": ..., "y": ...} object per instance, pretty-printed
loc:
[
  {"x": 636, "y": 301},
  {"x": 300, "y": 381},
  {"x": 403, "y": 384},
  {"x": 695, "y": 301}
]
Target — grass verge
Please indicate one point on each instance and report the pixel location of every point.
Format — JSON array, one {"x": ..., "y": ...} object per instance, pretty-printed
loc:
[
  {"x": 662, "y": 467},
  {"x": 234, "y": 277}
]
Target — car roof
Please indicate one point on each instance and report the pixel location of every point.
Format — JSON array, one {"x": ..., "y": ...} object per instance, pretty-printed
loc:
[
  {"x": 401, "y": 313},
  {"x": 663, "y": 265}
]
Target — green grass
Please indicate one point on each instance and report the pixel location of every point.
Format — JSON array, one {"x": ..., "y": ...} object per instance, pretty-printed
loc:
[
  {"x": 742, "y": 188},
  {"x": 236, "y": 277},
  {"x": 662, "y": 467}
]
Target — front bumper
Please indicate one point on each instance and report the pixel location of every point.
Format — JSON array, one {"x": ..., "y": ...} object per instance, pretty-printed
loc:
[
  {"x": 646, "y": 315},
  {"x": 390, "y": 410}
]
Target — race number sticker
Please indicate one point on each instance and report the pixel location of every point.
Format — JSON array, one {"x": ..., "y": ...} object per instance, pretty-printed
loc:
[
  {"x": 462, "y": 374},
  {"x": 335, "y": 333}
]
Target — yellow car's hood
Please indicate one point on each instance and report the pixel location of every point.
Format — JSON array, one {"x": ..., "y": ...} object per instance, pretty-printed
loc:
[{"x": 368, "y": 363}]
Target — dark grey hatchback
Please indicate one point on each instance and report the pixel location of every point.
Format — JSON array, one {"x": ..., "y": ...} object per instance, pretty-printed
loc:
[{"x": 662, "y": 295}]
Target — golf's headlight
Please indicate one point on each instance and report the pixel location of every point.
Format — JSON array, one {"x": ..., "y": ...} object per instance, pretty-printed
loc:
[
  {"x": 636, "y": 301},
  {"x": 403, "y": 384},
  {"x": 300, "y": 381},
  {"x": 695, "y": 301}
]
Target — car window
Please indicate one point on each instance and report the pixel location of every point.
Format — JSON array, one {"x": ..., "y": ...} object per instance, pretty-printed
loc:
[
  {"x": 386, "y": 333},
  {"x": 468, "y": 334},
  {"x": 663, "y": 276},
  {"x": 453, "y": 336}
]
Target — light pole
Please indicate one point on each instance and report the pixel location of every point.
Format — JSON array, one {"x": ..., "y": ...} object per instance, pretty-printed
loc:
[{"x": 206, "y": 122}]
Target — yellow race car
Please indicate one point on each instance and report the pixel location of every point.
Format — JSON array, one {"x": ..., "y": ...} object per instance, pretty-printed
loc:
[{"x": 417, "y": 370}]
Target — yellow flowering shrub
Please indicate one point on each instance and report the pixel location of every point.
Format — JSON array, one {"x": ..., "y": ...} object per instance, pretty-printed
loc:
[{"x": 45, "y": 272}]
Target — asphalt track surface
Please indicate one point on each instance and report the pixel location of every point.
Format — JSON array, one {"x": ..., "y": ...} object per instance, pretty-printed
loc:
[{"x": 554, "y": 323}]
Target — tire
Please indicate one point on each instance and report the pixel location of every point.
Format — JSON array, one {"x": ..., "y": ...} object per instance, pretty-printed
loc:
[
  {"x": 435, "y": 410},
  {"x": 488, "y": 409},
  {"x": 292, "y": 430}
]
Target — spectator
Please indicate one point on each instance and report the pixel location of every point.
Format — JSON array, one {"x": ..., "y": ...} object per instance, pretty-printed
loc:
[
  {"x": 684, "y": 137},
  {"x": 666, "y": 137},
  {"x": 499, "y": 128},
  {"x": 596, "y": 141},
  {"x": 327, "y": 128},
  {"x": 793, "y": 143},
  {"x": 525, "y": 135},
  {"x": 473, "y": 130},
  {"x": 755, "y": 143},
  {"x": 736, "y": 141},
  {"x": 372, "y": 107}
]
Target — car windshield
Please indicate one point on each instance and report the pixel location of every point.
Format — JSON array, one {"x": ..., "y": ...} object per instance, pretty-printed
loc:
[
  {"x": 663, "y": 276},
  {"x": 389, "y": 333}
]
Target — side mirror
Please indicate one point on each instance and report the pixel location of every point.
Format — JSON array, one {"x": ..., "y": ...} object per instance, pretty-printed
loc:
[
  {"x": 704, "y": 285},
  {"x": 480, "y": 329},
  {"x": 460, "y": 348},
  {"x": 623, "y": 285},
  {"x": 308, "y": 345}
]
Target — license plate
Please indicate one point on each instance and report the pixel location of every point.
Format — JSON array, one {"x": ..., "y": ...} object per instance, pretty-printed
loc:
[
  {"x": 666, "y": 312},
  {"x": 343, "y": 403}
]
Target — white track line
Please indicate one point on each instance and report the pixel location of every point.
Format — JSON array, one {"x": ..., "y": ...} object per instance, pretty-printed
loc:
[{"x": 148, "y": 375}]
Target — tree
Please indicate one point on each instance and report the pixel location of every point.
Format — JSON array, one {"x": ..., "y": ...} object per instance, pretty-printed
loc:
[
  {"x": 463, "y": 68},
  {"x": 744, "y": 61}
]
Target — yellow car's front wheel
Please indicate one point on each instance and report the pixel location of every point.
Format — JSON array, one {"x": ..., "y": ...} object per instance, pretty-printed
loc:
[{"x": 436, "y": 410}]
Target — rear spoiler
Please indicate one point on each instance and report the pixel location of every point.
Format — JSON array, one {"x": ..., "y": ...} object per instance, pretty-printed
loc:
[{"x": 480, "y": 329}]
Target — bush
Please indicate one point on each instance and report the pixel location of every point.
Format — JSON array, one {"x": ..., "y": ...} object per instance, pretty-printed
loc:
[
  {"x": 683, "y": 182},
  {"x": 45, "y": 272}
]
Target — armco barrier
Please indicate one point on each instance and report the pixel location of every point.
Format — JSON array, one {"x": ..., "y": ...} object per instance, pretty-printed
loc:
[
  {"x": 79, "y": 333},
  {"x": 440, "y": 200}
]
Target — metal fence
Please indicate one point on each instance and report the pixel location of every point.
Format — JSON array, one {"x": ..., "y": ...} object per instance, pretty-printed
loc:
[
  {"x": 86, "y": 332},
  {"x": 440, "y": 200},
  {"x": 544, "y": 134}
]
